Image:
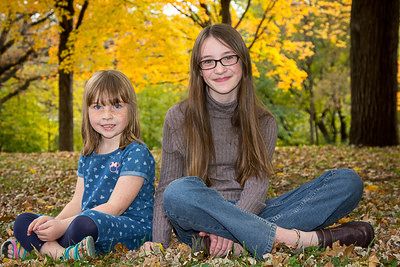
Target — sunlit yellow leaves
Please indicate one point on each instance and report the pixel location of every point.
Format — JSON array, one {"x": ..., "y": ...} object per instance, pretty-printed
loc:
[
  {"x": 398, "y": 100},
  {"x": 344, "y": 220},
  {"x": 138, "y": 39},
  {"x": 371, "y": 188},
  {"x": 357, "y": 169},
  {"x": 340, "y": 43},
  {"x": 328, "y": 20},
  {"x": 290, "y": 46},
  {"x": 152, "y": 47}
]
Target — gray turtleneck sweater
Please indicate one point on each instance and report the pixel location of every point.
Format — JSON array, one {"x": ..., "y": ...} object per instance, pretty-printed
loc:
[{"x": 251, "y": 197}]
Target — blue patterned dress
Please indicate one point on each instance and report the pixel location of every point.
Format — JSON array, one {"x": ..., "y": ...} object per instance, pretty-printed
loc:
[{"x": 100, "y": 173}]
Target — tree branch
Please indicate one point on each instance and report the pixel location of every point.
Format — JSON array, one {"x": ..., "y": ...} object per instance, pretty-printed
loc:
[
  {"x": 244, "y": 13},
  {"x": 4, "y": 46},
  {"x": 193, "y": 16},
  {"x": 82, "y": 14},
  {"x": 47, "y": 16},
  {"x": 19, "y": 90},
  {"x": 22, "y": 59},
  {"x": 208, "y": 13},
  {"x": 259, "y": 31},
  {"x": 5, "y": 76},
  {"x": 168, "y": 82}
]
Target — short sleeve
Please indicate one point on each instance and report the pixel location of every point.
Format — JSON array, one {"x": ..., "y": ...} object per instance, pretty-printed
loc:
[
  {"x": 138, "y": 161},
  {"x": 81, "y": 165}
]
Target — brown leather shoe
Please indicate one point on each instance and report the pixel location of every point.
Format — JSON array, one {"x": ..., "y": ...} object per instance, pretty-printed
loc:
[{"x": 356, "y": 233}]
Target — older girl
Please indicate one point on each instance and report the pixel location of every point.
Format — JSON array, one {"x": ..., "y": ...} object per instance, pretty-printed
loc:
[{"x": 216, "y": 161}]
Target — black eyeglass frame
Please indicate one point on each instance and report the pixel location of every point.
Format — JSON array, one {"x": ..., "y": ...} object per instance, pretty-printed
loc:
[{"x": 220, "y": 61}]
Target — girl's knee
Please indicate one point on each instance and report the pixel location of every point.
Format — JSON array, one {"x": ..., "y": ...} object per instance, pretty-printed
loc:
[
  {"x": 23, "y": 220},
  {"x": 84, "y": 225},
  {"x": 27, "y": 216},
  {"x": 180, "y": 189},
  {"x": 22, "y": 223},
  {"x": 180, "y": 192},
  {"x": 80, "y": 227},
  {"x": 350, "y": 181}
]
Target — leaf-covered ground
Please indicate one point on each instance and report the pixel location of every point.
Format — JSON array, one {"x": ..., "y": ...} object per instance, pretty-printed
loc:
[{"x": 44, "y": 182}]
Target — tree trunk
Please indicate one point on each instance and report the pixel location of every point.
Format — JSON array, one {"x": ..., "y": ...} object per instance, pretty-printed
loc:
[
  {"x": 373, "y": 54},
  {"x": 333, "y": 126},
  {"x": 65, "y": 113},
  {"x": 225, "y": 13},
  {"x": 343, "y": 133},
  {"x": 321, "y": 125},
  {"x": 309, "y": 87},
  {"x": 311, "y": 111},
  {"x": 65, "y": 80}
]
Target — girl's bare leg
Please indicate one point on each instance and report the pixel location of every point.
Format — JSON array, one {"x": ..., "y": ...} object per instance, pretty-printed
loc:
[{"x": 295, "y": 238}]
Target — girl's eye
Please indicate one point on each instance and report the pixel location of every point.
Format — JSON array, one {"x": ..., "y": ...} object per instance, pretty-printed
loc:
[
  {"x": 207, "y": 63},
  {"x": 96, "y": 106},
  {"x": 230, "y": 59},
  {"x": 118, "y": 105}
]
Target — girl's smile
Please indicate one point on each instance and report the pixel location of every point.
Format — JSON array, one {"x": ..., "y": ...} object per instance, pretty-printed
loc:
[
  {"x": 223, "y": 79},
  {"x": 108, "y": 127}
]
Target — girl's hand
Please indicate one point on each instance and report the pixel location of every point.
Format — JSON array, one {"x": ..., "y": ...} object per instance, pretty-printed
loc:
[
  {"x": 51, "y": 230},
  {"x": 37, "y": 222},
  {"x": 219, "y": 246},
  {"x": 152, "y": 246}
]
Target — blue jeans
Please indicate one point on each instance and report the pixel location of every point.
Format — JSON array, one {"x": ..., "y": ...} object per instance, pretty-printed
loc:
[{"x": 193, "y": 207}]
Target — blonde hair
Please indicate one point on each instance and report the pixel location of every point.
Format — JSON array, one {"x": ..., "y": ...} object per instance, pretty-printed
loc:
[
  {"x": 252, "y": 157},
  {"x": 109, "y": 87}
]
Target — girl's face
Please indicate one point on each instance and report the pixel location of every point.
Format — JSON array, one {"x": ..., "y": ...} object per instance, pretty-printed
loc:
[
  {"x": 223, "y": 81},
  {"x": 109, "y": 121}
]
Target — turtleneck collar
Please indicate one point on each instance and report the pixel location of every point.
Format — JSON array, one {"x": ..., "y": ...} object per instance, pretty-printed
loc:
[{"x": 220, "y": 110}]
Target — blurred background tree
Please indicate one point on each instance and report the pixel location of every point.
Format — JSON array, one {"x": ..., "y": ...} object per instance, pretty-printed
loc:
[
  {"x": 374, "y": 72},
  {"x": 300, "y": 52}
]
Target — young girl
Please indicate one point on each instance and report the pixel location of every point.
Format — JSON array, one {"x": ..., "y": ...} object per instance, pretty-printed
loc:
[
  {"x": 113, "y": 199},
  {"x": 221, "y": 141}
]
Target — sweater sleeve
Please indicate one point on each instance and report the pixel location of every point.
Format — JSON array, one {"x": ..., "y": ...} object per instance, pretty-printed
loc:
[
  {"x": 253, "y": 196},
  {"x": 172, "y": 165}
]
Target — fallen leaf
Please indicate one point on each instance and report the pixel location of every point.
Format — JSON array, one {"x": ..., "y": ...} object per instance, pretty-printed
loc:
[
  {"x": 373, "y": 261},
  {"x": 371, "y": 188}
]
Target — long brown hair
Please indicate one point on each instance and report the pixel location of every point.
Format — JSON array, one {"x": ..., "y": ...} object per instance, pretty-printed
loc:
[
  {"x": 109, "y": 87},
  {"x": 252, "y": 157}
]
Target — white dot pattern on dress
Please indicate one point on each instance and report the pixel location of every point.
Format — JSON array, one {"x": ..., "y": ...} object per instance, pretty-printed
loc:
[{"x": 100, "y": 174}]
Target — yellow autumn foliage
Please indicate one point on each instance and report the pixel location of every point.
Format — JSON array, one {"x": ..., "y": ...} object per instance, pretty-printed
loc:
[{"x": 153, "y": 46}]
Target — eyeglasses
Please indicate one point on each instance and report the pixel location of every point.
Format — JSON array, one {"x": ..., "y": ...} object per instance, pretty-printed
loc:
[{"x": 209, "y": 64}]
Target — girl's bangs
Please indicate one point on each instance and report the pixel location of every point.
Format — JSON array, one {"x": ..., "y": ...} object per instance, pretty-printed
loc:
[{"x": 108, "y": 91}]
